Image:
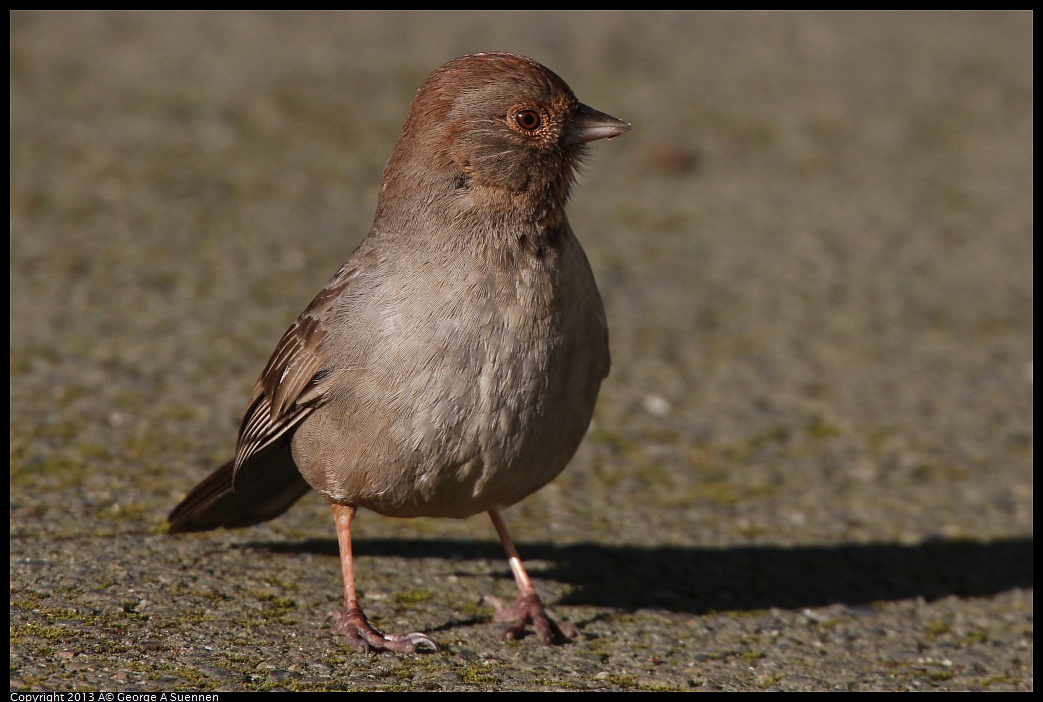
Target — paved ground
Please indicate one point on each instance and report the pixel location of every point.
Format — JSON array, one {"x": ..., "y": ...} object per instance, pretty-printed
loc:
[{"x": 810, "y": 469}]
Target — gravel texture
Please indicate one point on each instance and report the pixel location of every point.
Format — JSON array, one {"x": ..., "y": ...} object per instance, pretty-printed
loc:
[{"x": 810, "y": 469}]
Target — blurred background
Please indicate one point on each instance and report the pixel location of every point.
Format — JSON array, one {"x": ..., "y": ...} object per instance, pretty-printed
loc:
[{"x": 810, "y": 468}]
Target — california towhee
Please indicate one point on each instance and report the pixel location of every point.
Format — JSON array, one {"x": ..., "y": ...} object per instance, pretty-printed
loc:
[{"x": 451, "y": 366}]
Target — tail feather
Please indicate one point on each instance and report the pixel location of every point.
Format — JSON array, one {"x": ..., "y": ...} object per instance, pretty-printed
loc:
[{"x": 266, "y": 487}]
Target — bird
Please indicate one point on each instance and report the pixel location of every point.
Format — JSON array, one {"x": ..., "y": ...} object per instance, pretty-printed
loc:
[{"x": 452, "y": 364}]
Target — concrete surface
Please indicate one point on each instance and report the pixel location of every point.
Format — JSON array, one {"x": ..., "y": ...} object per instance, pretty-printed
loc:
[{"x": 810, "y": 469}]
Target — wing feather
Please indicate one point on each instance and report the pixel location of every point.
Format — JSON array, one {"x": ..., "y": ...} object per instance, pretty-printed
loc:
[{"x": 292, "y": 385}]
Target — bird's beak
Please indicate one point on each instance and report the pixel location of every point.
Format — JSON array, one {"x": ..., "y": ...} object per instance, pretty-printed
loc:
[{"x": 590, "y": 125}]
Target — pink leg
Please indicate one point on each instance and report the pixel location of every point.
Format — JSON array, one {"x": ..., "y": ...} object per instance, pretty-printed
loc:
[
  {"x": 352, "y": 623},
  {"x": 528, "y": 607}
]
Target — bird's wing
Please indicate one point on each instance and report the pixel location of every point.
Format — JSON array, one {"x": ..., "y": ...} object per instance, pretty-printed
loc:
[{"x": 295, "y": 381}]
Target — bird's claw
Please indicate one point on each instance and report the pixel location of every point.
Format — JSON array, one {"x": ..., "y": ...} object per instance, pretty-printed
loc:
[
  {"x": 366, "y": 638},
  {"x": 526, "y": 609}
]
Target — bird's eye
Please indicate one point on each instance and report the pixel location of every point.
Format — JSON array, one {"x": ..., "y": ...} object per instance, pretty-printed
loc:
[{"x": 528, "y": 120}]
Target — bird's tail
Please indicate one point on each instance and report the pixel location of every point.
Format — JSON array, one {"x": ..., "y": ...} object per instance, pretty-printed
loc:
[{"x": 265, "y": 487}]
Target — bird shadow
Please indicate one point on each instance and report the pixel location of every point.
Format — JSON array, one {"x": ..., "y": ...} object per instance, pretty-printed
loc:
[{"x": 697, "y": 580}]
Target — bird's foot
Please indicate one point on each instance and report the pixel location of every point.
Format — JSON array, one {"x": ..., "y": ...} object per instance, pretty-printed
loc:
[
  {"x": 364, "y": 637},
  {"x": 528, "y": 608}
]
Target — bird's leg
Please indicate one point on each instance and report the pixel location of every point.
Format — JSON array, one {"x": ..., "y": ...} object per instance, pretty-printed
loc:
[
  {"x": 528, "y": 607},
  {"x": 352, "y": 623}
]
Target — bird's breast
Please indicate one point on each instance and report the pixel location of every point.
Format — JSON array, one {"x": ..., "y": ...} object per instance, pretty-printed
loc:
[{"x": 480, "y": 399}]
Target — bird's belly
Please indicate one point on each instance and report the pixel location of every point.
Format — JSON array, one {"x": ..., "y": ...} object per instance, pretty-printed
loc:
[
  {"x": 470, "y": 404},
  {"x": 488, "y": 419},
  {"x": 496, "y": 431}
]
